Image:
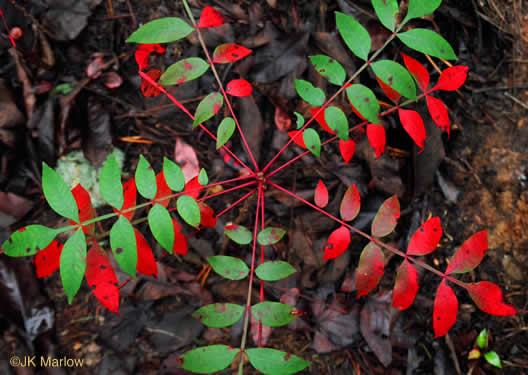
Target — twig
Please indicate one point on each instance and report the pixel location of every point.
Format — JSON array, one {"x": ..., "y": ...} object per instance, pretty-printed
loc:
[{"x": 522, "y": 104}]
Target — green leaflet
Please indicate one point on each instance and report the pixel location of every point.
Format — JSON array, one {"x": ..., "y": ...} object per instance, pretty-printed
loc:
[
  {"x": 29, "y": 240},
  {"x": 493, "y": 359},
  {"x": 161, "y": 226},
  {"x": 239, "y": 234},
  {"x": 428, "y": 42},
  {"x": 386, "y": 11},
  {"x": 273, "y": 314},
  {"x": 208, "y": 107},
  {"x": 73, "y": 264},
  {"x": 188, "y": 210},
  {"x": 364, "y": 101},
  {"x": 203, "y": 179},
  {"x": 173, "y": 175},
  {"x": 329, "y": 68},
  {"x": 420, "y": 8},
  {"x": 123, "y": 244},
  {"x": 482, "y": 339},
  {"x": 145, "y": 179},
  {"x": 310, "y": 94},
  {"x": 356, "y": 37},
  {"x": 110, "y": 183},
  {"x": 274, "y": 270},
  {"x": 219, "y": 315},
  {"x": 225, "y": 131},
  {"x": 208, "y": 359},
  {"x": 395, "y": 76},
  {"x": 337, "y": 121},
  {"x": 270, "y": 236},
  {"x": 300, "y": 120},
  {"x": 58, "y": 194},
  {"x": 312, "y": 141},
  {"x": 163, "y": 30},
  {"x": 183, "y": 71},
  {"x": 274, "y": 362},
  {"x": 229, "y": 267}
]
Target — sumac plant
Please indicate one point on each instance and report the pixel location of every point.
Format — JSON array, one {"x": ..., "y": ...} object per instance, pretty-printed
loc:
[{"x": 86, "y": 252}]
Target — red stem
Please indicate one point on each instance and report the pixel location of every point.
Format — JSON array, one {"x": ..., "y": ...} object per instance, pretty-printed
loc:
[
  {"x": 237, "y": 202},
  {"x": 227, "y": 191},
  {"x": 261, "y": 262}
]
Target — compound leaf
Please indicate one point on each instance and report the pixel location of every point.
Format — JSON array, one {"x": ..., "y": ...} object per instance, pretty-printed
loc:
[
  {"x": 274, "y": 270},
  {"x": 396, "y": 77},
  {"x": 123, "y": 244},
  {"x": 351, "y": 204},
  {"x": 208, "y": 359},
  {"x": 208, "y": 107},
  {"x": 337, "y": 243},
  {"x": 386, "y": 217},
  {"x": 370, "y": 269},
  {"x": 274, "y": 362},
  {"x": 363, "y": 100},
  {"x": 219, "y": 315},
  {"x": 270, "y": 236},
  {"x": 406, "y": 286},
  {"x": 162, "y": 30},
  {"x": 73, "y": 264},
  {"x": 58, "y": 195},
  {"x": 356, "y": 37},
  {"x": 110, "y": 183},
  {"x": 445, "y": 309},
  {"x": 101, "y": 278},
  {"x": 183, "y": 71},
  {"x": 489, "y": 298},
  {"x": 274, "y": 314},
  {"x": 470, "y": 254},
  {"x": 386, "y": 11},
  {"x": 229, "y": 267},
  {"x": 425, "y": 240},
  {"x": 329, "y": 68},
  {"x": 310, "y": 94}
]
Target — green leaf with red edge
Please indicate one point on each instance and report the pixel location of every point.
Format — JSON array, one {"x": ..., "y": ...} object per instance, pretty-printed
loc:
[
  {"x": 329, "y": 68},
  {"x": 203, "y": 179},
  {"x": 420, "y": 8},
  {"x": 229, "y": 52},
  {"x": 396, "y": 77},
  {"x": 239, "y": 234},
  {"x": 320, "y": 118},
  {"x": 225, "y": 131},
  {"x": 489, "y": 298},
  {"x": 310, "y": 94},
  {"x": 239, "y": 87},
  {"x": 86, "y": 210},
  {"x": 58, "y": 194},
  {"x": 163, "y": 190},
  {"x": 208, "y": 107},
  {"x": 370, "y": 269},
  {"x": 336, "y": 119},
  {"x": 388, "y": 91},
  {"x": 183, "y": 71},
  {"x": 337, "y": 243},
  {"x": 438, "y": 112},
  {"x": 47, "y": 260},
  {"x": 145, "y": 179},
  {"x": 445, "y": 309},
  {"x": 274, "y": 362},
  {"x": 188, "y": 210},
  {"x": 386, "y": 11},
  {"x": 274, "y": 314},
  {"x": 312, "y": 141},
  {"x": 347, "y": 149},
  {"x": 193, "y": 188},
  {"x": 321, "y": 195},
  {"x": 162, "y": 30},
  {"x": 274, "y": 270},
  {"x": 210, "y": 17},
  {"x": 160, "y": 223},
  {"x": 207, "y": 216},
  {"x": 208, "y": 359},
  {"x": 377, "y": 138},
  {"x": 470, "y": 254},
  {"x": 110, "y": 183},
  {"x": 405, "y": 287},
  {"x": 29, "y": 240},
  {"x": 129, "y": 199},
  {"x": 298, "y": 139},
  {"x": 73, "y": 264},
  {"x": 414, "y": 126},
  {"x": 386, "y": 217},
  {"x": 101, "y": 278},
  {"x": 229, "y": 267},
  {"x": 146, "y": 263},
  {"x": 173, "y": 175},
  {"x": 428, "y": 42},
  {"x": 124, "y": 247},
  {"x": 219, "y": 315},
  {"x": 452, "y": 78},
  {"x": 355, "y": 36},
  {"x": 180, "y": 241},
  {"x": 425, "y": 240},
  {"x": 351, "y": 204},
  {"x": 270, "y": 236},
  {"x": 417, "y": 70},
  {"x": 363, "y": 100}
]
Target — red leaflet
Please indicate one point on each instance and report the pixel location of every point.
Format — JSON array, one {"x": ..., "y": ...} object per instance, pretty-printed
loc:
[
  {"x": 370, "y": 269},
  {"x": 425, "y": 239},
  {"x": 321, "y": 195},
  {"x": 146, "y": 263},
  {"x": 386, "y": 218},
  {"x": 470, "y": 254},
  {"x": 229, "y": 52},
  {"x": 350, "y": 204},
  {"x": 282, "y": 120},
  {"x": 445, "y": 309},
  {"x": 413, "y": 124},
  {"x": 94, "y": 68},
  {"x": 389, "y": 92},
  {"x": 347, "y": 149},
  {"x": 321, "y": 119},
  {"x": 86, "y": 210},
  {"x": 337, "y": 243},
  {"x": 193, "y": 188},
  {"x": 112, "y": 80},
  {"x": 207, "y": 216},
  {"x": 101, "y": 278},
  {"x": 180, "y": 242},
  {"x": 299, "y": 141},
  {"x": 129, "y": 195},
  {"x": 438, "y": 112},
  {"x": 488, "y": 297},
  {"x": 163, "y": 190},
  {"x": 376, "y": 137},
  {"x": 239, "y": 87},
  {"x": 417, "y": 70},
  {"x": 452, "y": 78},
  {"x": 143, "y": 52},
  {"x": 47, "y": 260},
  {"x": 146, "y": 88},
  {"x": 186, "y": 158},
  {"x": 210, "y": 17},
  {"x": 406, "y": 286}
]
